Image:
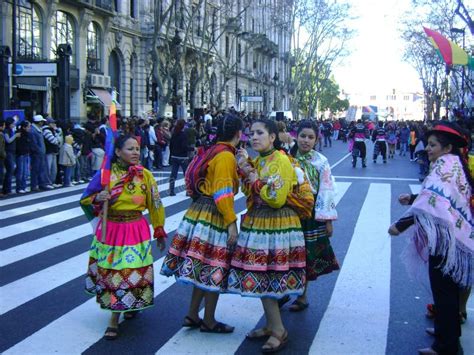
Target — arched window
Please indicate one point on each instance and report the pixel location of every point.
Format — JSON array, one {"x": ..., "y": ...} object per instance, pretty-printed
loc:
[
  {"x": 29, "y": 31},
  {"x": 93, "y": 48},
  {"x": 62, "y": 31},
  {"x": 114, "y": 73}
]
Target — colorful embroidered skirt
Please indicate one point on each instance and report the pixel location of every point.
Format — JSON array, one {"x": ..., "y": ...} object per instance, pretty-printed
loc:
[
  {"x": 269, "y": 259},
  {"x": 120, "y": 272},
  {"x": 320, "y": 258},
  {"x": 198, "y": 253}
]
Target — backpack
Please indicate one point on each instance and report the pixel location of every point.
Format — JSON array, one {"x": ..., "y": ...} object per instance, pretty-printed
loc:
[{"x": 197, "y": 169}]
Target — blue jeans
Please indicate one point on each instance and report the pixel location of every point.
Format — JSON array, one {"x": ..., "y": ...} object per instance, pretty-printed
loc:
[
  {"x": 403, "y": 148},
  {"x": 52, "y": 167},
  {"x": 38, "y": 171},
  {"x": 22, "y": 171},
  {"x": 9, "y": 169},
  {"x": 67, "y": 175},
  {"x": 175, "y": 164},
  {"x": 327, "y": 140}
]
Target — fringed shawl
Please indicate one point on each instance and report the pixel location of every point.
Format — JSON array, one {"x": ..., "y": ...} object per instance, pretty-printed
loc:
[{"x": 443, "y": 222}]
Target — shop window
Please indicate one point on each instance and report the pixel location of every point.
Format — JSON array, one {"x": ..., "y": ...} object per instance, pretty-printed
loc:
[
  {"x": 29, "y": 31},
  {"x": 62, "y": 31},
  {"x": 93, "y": 48}
]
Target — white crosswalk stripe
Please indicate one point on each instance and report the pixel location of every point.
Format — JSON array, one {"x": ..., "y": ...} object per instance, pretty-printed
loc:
[{"x": 356, "y": 320}]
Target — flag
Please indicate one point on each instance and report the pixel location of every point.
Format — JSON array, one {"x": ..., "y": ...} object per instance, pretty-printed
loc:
[
  {"x": 109, "y": 146},
  {"x": 102, "y": 177},
  {"x": 449, "y": 51}
]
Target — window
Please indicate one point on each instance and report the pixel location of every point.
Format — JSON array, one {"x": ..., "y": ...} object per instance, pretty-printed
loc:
[
  {"x": 93, "y": 47},
  {"x": 62, "y": 31},
  {"x": 239, "y": 53},
  {"x": 227, "y": 46},
  {"x": 132, "y": 8},
  {"x": 406, "y": 97},
  {"x": 29, "y": 31},
  {"x": 197, "y": 20},
  {"x": 373, "y": 98},
  {"x": 214, "y": 24}
]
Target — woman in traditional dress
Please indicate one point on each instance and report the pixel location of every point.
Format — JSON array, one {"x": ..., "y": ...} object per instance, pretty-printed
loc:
[
  {"x": 442, "y": 241},
  {"x": 269, "y": 258},
  {"x": 320, "y": 258},
  {"x": 200, "y": 251},
  {"x": 120, "y": 272}
]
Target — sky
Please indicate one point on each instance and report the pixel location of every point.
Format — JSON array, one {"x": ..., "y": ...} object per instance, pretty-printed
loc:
[{"x": 376, "y": 61}]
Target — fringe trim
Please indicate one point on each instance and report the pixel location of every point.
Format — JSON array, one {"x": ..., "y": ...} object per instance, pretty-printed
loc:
[{"x": 434, "y": 236}]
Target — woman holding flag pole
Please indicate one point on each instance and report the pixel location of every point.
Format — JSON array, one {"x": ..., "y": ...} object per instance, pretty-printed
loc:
[{"x": 120, "y": 270}]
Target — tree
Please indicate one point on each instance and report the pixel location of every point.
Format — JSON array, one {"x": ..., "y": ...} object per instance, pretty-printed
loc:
[
  {"x": 320, "y": 36},
  {"x": 440, "y": 16}
]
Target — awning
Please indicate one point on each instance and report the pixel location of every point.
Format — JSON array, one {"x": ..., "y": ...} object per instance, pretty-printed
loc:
[
  {"x": 104, "y": 97},
  {"x": 32, "y": 87}
]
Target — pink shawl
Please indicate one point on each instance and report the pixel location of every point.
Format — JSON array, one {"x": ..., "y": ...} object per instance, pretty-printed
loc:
[{"x": 443, "y": 221}]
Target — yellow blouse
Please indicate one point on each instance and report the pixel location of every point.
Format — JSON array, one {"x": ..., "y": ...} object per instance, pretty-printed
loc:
[
  {"x": 279, "y": 175},
  {"x": 137, "y": 195},
  {"x": 222, "y": 183}
]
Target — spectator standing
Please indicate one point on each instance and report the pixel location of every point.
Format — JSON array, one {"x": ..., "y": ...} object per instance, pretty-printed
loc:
[
  {"x": 412, "y": 142},
  {"x": 52, "y": 140},
  {"x": 23, "y": 156},
  {"x": 336, "y": 128},
  {"x": 67, "y": 159},
  {"x": 327, "y": 131},
  {"x": 165, "y": 127},
  {"x": 97, "y": 151},
  {"x": 404, "y": 136},
  {"x": 10, "y": 136},
  {"x": 78, "y": 133},
  {"x": 179, "y": 152},
  {"x": 39, "y": 178},
  {"x": 86, "y": 153},
  {"x": 3, "y": 153},
  {"x": 160, "y": 146}
]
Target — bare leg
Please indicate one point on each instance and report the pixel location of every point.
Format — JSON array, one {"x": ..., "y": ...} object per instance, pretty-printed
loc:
[
  {"x": 274, "y": 323},
  {"x": 463, "y": 298},
  {"x": 113, "y": 323},
  {"x": 302, "y": 298},
  {"x": 211, "y": 299},
  {"x": 196, "y": 300}
]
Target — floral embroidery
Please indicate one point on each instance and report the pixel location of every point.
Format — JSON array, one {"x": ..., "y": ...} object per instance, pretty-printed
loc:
[{"x": 274, "y": 183}]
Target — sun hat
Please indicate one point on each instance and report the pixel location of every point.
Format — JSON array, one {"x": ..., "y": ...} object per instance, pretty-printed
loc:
[{"x": 451, "y": 130}]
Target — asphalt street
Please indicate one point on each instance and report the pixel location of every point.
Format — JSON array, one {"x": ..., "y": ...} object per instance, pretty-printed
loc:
[{"x": 370, "y": 306}]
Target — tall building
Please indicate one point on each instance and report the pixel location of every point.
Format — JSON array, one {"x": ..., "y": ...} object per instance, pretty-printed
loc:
[{"x": 175, "y": 56}]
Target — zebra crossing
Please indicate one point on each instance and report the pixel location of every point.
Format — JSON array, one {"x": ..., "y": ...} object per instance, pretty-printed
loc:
[{"x": 44, "y": 242}]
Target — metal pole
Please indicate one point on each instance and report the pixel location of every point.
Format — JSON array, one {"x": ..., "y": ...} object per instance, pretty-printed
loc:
[
  {"x": 237, "y": 104},
  {"x": 14, "y": 54}
]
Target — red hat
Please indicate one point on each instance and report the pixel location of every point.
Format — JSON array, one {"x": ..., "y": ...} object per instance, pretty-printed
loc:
[{"x": 450, "y": 130}]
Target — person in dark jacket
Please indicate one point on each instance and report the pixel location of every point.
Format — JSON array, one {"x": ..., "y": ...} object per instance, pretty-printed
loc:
[
  {"x": 23, "y": 145},
  {"x": 39, "y": 179},
  {"x": 10, "y": 135},
  {"x": 179, "y": 149}
]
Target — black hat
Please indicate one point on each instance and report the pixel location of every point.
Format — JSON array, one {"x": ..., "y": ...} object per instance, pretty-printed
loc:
[{"x": 451, "y": 130}]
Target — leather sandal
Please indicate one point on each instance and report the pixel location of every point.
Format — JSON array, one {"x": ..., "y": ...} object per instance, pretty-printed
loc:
[
  {"x": 267, "y": 348},
  {"x": 113, "y": 333},
  {"x": 219, "y": 328},
  {"x": 258, "y": 333},
  {"x": 191, "y": 323},
  {"x": 298, "y": 306}
]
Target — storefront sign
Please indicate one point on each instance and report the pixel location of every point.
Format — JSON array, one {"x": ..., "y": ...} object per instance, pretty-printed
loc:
[
  {"x": 34, "y": 69},
  {"x": 17, "y": 115},
  {"x": 252, "y": 98}
]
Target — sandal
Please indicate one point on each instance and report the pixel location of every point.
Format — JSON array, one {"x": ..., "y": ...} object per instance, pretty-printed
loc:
[
  {"x": 258, "y": 333},
  {"x": 130, "y": 315},
  {"x": 219, "y": 328},
  {"x": 298, "y": 306},
  {"x": 191, "y": 323},
  {"x": 113, "y": 333},
  {"x": 283, "y": 340},
  {"x": 283, "y": 300}
]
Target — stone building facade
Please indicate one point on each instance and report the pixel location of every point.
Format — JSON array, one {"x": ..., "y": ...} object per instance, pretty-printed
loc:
[{"x": 112, "y": 42}]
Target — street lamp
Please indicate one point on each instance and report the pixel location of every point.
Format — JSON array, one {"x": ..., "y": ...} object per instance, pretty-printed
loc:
[{"x": 463, "y": 31}]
